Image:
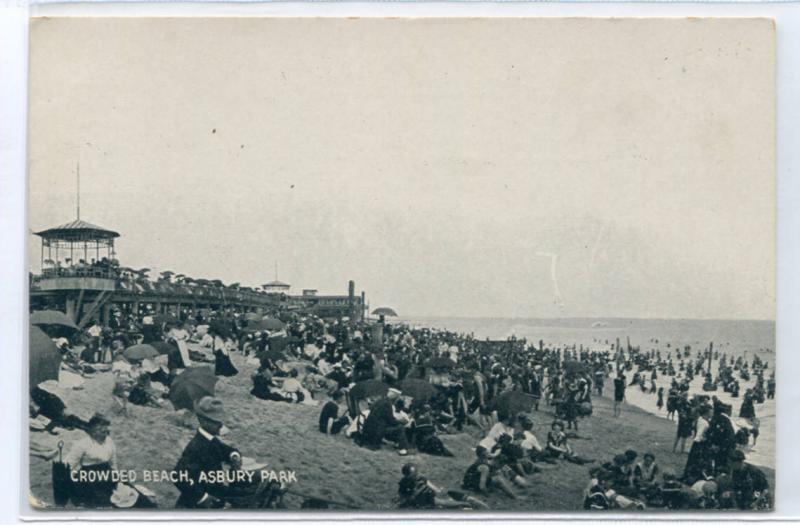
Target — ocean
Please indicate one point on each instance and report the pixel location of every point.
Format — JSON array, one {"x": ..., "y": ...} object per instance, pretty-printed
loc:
[{"x": 732, "y": 337}]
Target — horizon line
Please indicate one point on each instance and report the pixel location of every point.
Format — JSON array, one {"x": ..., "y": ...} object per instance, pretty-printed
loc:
[{"x": 613, "y": 318}]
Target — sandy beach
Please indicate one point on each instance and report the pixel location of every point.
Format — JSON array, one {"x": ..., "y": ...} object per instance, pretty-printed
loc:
[
  {"x": 285, "y": 437},
  {"x": 733, "y": 338}
]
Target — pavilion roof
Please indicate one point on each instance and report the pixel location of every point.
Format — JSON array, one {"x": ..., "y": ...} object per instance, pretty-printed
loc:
[{"x": 77, "y": 230}]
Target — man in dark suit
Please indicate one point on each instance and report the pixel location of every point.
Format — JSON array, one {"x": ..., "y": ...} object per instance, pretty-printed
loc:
[
  {"x": 720, "y": 437},
  {"x": 382, "y": 423},
  {"x": 203, "y": 457}
]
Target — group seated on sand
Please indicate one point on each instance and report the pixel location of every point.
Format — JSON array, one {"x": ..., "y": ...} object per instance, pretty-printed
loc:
[{"x": 390, "y": 383}]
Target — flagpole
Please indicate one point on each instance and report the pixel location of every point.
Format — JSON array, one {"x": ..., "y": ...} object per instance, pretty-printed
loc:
[{"x": 79, "y": 190}]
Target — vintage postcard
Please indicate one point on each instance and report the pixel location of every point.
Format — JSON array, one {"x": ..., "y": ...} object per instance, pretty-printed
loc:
[{"x": 369, "y": 264}]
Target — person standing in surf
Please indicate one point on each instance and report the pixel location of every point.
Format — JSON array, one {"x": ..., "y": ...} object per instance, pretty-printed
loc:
[{"x": 619, "y": 393}]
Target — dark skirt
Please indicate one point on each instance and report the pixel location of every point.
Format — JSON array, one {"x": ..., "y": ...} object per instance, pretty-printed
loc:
[
  {"x": 223, "y": 365},
  {"x": 697, "y": 463},
  {"x": 93, "y": 494},
  {"x": 685, "y": 427}
]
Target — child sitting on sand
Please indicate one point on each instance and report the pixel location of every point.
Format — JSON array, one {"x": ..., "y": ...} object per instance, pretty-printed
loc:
[
  {"x": 483, "y": 475},
  {"x": 416, "y": 492},
  {"x": 558, "y": 447}
]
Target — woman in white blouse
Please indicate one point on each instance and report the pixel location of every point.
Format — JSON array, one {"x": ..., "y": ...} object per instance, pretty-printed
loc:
[
  {"x": 180, "y": 335},
  {"x": 698, "y": 464},
  {"x": 91, "y": 460}
]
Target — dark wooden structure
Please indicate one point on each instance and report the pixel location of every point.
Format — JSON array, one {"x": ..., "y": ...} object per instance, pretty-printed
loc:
[{"x": 82, "y": 277}]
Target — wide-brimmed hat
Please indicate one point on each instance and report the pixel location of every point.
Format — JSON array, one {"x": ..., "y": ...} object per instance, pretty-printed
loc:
[
  {"x": 210, "y": 408},
  {"x": 393, "y": 393},
  {"x": 124, "y": 496}
]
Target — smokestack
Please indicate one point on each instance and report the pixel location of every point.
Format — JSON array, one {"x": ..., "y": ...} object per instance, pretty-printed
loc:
[{"x": 351, "y": 295}]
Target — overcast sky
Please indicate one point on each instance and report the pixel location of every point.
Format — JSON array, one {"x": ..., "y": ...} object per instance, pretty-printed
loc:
[{"x": 454, "y": 168}]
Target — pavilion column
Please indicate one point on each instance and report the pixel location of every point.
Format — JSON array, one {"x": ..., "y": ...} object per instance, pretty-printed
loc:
[
  {"x": 70, "y": 308},
  {"x": 106, "y": 315}
]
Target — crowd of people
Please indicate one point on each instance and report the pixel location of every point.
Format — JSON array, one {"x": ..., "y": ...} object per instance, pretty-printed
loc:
[{"x": 385, "y": 384}]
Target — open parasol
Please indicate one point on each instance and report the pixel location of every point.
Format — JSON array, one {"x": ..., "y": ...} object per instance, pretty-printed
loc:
[
  {"x": 164, "y": 348},
  {"x": 164, "y": 318},
  {"x": 388, "y": 312},
  {"x": 44, "y": 358},
  {"x": 417, "y": 388},
  {"x": 221, "y": 327},
  {"x": 274, "y": 355},
  {"x": 513, "y": 402},
  {"x": 52, "y": 318},
  {"x": 575, "y": 367},
  {"x": 441, "y": 363},
  {"x": 192, "y": 385},
  {"x": 140, "y": 352},
  {"x": 369, "y": 388},
  {"x": 270, "y": 323}
]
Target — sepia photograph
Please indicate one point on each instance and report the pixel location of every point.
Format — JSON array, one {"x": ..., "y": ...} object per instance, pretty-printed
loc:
[{"x": 401, "y": 264}]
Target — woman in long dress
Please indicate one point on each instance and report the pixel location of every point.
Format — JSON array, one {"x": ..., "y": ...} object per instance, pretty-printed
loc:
[
  {"x": 222, "y": 359},
  {"x": 180, "y": 335},
  {"x": 698, "y": 464}
]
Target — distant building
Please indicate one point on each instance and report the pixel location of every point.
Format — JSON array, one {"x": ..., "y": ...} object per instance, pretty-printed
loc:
[
  {"x": 330, "y": 306},
  {"x": 276, "y": 287}
]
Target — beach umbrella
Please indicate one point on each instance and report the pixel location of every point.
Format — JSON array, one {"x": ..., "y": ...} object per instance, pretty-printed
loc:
[
  {"x": 164, "y": 318},
  {"x": 513, "y": 402},
  {"x": 252, "y": 316},
  {"x": 440, "y": 363},
  {"x": 192, "y": 385},
  {"x": 52, "y": 318},
  {"x": 274, "y": 355},
  {"x": 255, "y": 325},
  {"x": 140, "y": 352},
  {"x": 44, "y": 358},
  {"x": 270, "y": 323},
  {"x": 575, "y": 367},
  {"x": 417, "y": 388},
  {"x": 222, "y": 328},
  {"x": 173, "y": 353},
  {"x": 369, "y": 388},
  {"x": 163, "y": 347},
  {"x": 388, "y": 312}
]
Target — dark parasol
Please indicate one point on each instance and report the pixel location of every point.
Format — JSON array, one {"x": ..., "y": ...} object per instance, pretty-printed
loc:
[
  {"x": 45, "y": 359},
  {"x": 192, "y": 385}
]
